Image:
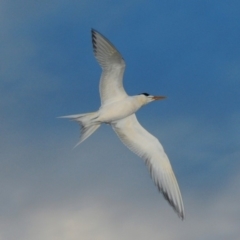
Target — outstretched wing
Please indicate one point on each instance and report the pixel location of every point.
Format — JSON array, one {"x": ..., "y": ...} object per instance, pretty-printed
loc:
[
  {"x": 113, "y": 66},
  {"x": 146, "y": 146}
]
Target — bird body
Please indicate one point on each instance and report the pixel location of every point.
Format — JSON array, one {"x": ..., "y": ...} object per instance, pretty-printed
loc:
[{"x": 118, "y": 109}]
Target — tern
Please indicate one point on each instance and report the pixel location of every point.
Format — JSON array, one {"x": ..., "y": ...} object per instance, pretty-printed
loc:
[{"x": 118, "y": 110}]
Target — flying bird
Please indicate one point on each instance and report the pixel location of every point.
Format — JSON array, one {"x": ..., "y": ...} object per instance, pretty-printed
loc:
[{"x": 118, "y": 109}]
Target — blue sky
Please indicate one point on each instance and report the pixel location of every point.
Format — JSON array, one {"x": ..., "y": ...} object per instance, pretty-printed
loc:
[{"x": 187, "y": 50}]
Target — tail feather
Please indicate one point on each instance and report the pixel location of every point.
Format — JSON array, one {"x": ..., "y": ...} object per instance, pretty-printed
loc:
[
  {"x": 88, "y": 124},
  {"x": 75, "y": 116},
  {"x": 86, "y": 131}
]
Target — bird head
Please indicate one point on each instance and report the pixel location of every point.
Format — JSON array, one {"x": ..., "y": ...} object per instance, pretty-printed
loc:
[{"x": 149, "y": 98}]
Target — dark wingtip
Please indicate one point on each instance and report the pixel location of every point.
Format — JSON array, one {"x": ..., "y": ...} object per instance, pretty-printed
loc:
[
  {"x": 93, "y": 31},
  {"x": 178, "y": 211},
  {"x": 181, "y": 216}
]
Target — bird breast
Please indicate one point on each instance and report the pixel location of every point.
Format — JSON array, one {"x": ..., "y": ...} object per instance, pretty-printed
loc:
[{"x": 118, "y": 110}]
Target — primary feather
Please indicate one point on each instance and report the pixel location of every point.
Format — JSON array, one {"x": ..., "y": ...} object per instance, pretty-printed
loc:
[{"x": 113, "y": 66}]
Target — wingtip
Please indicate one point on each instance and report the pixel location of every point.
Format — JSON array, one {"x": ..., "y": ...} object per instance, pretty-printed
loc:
[
  {"x": 181, "y": 215},
  {"x": 93, "y": 31},
  {"x": 178, "y": 211},
  {"x": 177, "y": 205}
]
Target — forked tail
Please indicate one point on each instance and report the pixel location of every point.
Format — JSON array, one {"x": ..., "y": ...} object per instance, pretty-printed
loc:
[{"x": 88, "y": 124}]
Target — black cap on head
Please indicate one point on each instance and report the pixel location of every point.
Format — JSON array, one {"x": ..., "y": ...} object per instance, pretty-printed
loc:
[{"x": 146, "y": 94}]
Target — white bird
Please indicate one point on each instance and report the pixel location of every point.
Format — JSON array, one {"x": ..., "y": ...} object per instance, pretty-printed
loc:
[{"x": 118, "y": 109}]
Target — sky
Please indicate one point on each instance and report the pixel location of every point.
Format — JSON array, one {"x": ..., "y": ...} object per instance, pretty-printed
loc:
[{"x": 186, "y": 50}]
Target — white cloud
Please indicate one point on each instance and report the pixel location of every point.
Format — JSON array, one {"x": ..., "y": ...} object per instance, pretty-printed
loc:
[{"x": 95, "y": 217}]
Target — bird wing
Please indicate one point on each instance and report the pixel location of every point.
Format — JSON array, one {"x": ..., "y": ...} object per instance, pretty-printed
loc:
[
  {"x": 146, "y": 146},
  {"x": 113, "y": 66}
]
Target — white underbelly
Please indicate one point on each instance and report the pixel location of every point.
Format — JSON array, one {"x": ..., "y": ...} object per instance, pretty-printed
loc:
[{"x": 116, "y": 111}]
